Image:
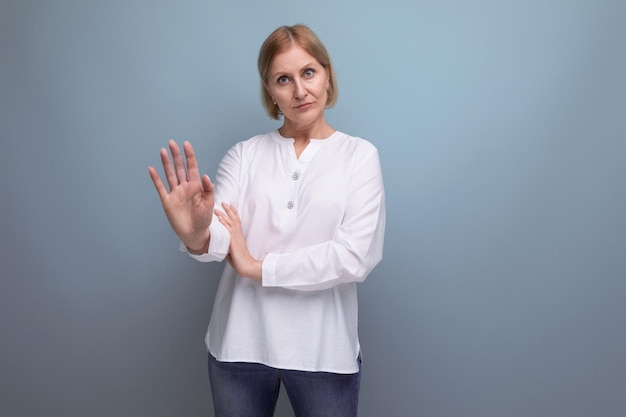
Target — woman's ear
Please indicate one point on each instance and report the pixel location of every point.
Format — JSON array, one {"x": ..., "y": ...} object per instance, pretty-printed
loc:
[
  {"x": 267, "y": 90},
  {"x": 328, "y": 72}
]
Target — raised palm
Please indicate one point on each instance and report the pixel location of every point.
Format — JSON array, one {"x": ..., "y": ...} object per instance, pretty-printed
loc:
[{"x": 189, "y": 202}]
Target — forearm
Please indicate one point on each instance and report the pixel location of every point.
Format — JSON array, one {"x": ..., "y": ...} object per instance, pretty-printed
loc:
[
  {"x": 320, "y": 267},
  {"x": 355, "y": 250},
  {"x": 252, "y": 269},
  {"x": 198, "y": 245},
  {"x": 216, "y": 249}
]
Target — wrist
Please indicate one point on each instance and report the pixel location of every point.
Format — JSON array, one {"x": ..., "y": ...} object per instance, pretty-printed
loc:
[
  {"x": 252, "y": 270},
  {"x": 198, "y": 246},
  {"x": 257, "y": 270},
  {"x": 200, "y": 251}
]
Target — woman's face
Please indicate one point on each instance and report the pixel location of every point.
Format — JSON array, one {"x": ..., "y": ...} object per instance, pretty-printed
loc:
[{"x": 298, "y": 83}]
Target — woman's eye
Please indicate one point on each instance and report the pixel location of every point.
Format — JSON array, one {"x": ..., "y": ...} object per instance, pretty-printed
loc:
[
  {"x": 283, "y": 79},
  {"x": 309, "y": 73}
]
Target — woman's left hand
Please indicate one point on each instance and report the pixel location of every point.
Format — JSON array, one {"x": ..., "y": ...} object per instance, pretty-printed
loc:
[{"x": 239, "y": 257}]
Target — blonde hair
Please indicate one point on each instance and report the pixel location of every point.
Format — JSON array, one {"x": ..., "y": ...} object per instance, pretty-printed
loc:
[{"x": 283, "y": 38}]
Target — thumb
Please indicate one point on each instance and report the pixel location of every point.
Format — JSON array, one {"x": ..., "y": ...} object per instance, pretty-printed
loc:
[{"x": 207, "y": 185}]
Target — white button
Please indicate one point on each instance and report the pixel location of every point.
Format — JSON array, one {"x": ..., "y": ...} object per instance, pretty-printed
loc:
[
  {"x": 295, "y": 175},
  {"x": 290, "y": 205}
]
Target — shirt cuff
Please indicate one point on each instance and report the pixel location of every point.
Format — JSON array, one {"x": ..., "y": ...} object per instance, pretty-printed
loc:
[
  {"x": 268, "y": 271},
  {"x": 218, "y": 246}
]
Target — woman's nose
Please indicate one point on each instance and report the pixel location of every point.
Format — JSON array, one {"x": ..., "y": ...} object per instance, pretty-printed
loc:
[{"x": 299, "y": 90}]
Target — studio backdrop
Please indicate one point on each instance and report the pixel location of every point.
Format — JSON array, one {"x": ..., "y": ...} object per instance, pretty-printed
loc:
[{"x": 502, "y": 136}]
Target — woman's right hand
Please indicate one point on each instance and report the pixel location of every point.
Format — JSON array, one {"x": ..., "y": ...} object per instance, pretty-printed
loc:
[{"x": 189, "y": 203}]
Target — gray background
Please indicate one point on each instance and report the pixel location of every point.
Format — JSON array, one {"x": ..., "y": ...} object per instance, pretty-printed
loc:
[{"x": 501, "y": 130}]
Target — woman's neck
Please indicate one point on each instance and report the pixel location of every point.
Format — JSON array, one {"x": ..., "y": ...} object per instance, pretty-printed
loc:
[{"x": 303, "y": 134}]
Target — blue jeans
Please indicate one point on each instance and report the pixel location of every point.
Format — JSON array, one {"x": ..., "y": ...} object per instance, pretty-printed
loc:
[{"x": 242, "y": 389}]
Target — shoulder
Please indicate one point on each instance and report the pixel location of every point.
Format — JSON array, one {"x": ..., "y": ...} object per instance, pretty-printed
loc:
[
  {"x": 259, "y": 139},
  {"x": 253, "y": 141},
  {"x": 265, "y": 140},
  {"x": 252, "y": 145},
  {"x": 354, "y": 144}
]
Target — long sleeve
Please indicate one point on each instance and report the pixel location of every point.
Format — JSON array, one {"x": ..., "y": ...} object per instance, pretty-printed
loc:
[
  {"x": 354, "y": 251},
  {"x": 226, "y": 190}
]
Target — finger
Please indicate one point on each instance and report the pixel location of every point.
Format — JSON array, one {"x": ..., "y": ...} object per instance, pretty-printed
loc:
[
  {"x": 226, "y": 208},
  {"x": 192, "y": 164},
  {"x": 170, "y": 174},
  {"x": 179, "y": 164},
  {"x": 158, "y": 184},
  {"x": 231, "y": 210},
  {"x": 223, "y": 218},
  {"x": 207, "y": 185}
]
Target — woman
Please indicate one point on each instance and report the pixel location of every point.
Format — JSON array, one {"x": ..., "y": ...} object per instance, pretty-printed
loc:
[{"x": 299, "y": 214}]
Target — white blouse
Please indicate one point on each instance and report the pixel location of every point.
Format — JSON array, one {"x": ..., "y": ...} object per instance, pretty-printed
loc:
[{"x": 318, "y": 223}]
